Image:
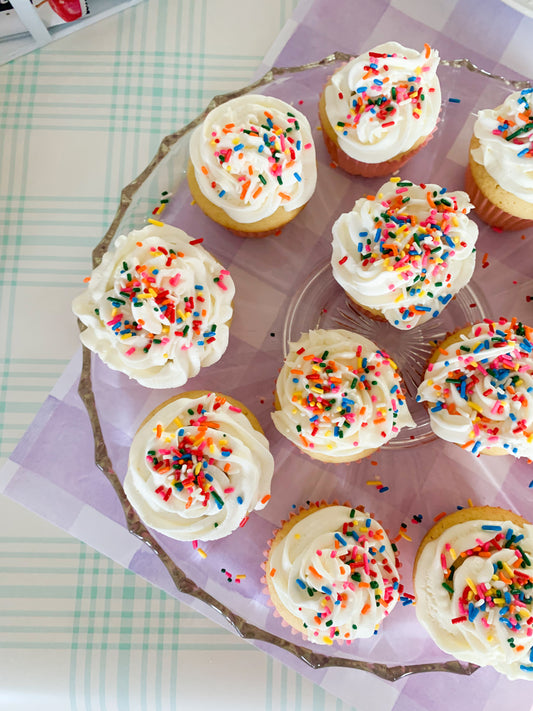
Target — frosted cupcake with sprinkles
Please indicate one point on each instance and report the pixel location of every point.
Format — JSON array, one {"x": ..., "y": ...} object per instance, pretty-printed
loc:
[
  {"x": 199, "y": 465},
  {"x": 339, "y": 397},
  {"x": 331, "y": 573},
  {"x": 499, "y": 176},
  {"x": 380, "y": 108},
  {"x": 158, "y": 307},
  {"x": 473, "y": 579},
  {"x": 478, "y": 388},
  {"x": 252, "y": 165},
  {"x": 401, "y": 255}
]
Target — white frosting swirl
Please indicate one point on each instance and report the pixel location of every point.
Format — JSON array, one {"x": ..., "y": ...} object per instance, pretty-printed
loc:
[
  {"x": 474, "y": 594},
  {"x": 197, "y": 468},
  {"x": 252, "y": 155},
  {"x": 406, "y": 251},
  {"x": 335, "y": 570},
  {"x": 384, "y": 101},
  {"x": 505, "y": 136},
  {"x": 339, "y": 396},
  {"x": 157, "y": 307},
  {"x": 480, "y": 389}
]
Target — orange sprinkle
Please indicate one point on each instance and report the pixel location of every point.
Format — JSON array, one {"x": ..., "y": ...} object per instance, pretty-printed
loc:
[
  {"x": 365, "y": 608},
  {"x": 265, "y": 498},
  {"x": 86, "y": 280},
  {"x": 284, "y": 196},
  {"x": 362, "y": 584},
  {"x": 204, "y": 170},
  {"x": 314, "y": 571},
  {"x": 257, "y": 192},
  {"x": 428, "y": 50},
  {"x": 245, "y": 187},
  {"x": 159, "y": 431},
  {"x": 272, "y": 572},
  {"x": 439, "y": 516}
]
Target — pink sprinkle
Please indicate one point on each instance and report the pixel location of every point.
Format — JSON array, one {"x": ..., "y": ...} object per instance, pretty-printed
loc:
[
  {"x": 173, "y": 281},
  {"x": 234, "y": 409},
  {"x": 130, "y": 351}
]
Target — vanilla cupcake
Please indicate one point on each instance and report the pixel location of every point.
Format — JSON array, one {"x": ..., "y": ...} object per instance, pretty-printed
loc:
[
  {"x": 252, "y": 164},
  {"x": 331, "y": 573},
  {"x": 339, "y": 397},
  {"x": 478, "y": 388},
  {"x": 473, "y": 580},
  {"x": 158, "y": 307},
  {"x": 380, "y": 108},
  {"x": 499, "y": 176},
  {"x": 401, "y": 255},
  {"x": 198, "y": 466}
]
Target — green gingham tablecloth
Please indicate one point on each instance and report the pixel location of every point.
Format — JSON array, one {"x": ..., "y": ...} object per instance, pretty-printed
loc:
[{"x": 79, "y": 120}]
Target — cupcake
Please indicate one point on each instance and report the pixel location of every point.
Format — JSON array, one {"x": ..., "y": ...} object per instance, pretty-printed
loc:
[
  {"x": 158, "y": 307},
  {"x": 252, "y": 165},
  {"x": 478, "y": 388},
  {"x": 380, "y": 108},
  {"x": 331, "y": 573},
  {"x": 198, "y": 466},
  {"x": 339, "y": 397},
  {"x": 499, "y": 176},
  {"x": 403, "y": 254},
  {"x": 473, "y": 580}
]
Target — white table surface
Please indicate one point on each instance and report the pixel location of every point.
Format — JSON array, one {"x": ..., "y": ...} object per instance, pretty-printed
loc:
[{"x": 80, "y": 119}]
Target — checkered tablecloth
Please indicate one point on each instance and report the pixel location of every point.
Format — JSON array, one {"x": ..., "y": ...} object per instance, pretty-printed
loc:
[{"x": 82, "y": 118}]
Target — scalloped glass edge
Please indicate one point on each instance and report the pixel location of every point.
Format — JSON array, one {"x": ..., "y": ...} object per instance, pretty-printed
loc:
[{"x": 135, "y": 526}]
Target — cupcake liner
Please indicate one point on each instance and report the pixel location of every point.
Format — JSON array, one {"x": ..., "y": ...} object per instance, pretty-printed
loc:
[
  {"x": 488, "y": 212},
  {"x": 370, "y": 170}
]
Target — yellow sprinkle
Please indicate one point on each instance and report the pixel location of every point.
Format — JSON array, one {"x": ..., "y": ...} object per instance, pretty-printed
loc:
[
  {"x": 192, "y": 202},
  {"x": 395, "y": 180},
  {"x": 202, "y": 552},
  {"x": 471, "y": 585},
  {"x": 125, "y": 335},
  {"x": 297, "y": 536},
  {"x": 508, "y": 570},
  {"x": 327, "y": 640},
  {"x": 374, "y": 483},
  {"x": 404, "y": 535},
  {"x": 241, "y": 576},
  {"x": 114, "y": 312},
  {"x": 155, "y": 222},
  {"x": 475, "y": 406},
  {"x": 470, "y": 503},
  {"x": 453, "y": 554}
]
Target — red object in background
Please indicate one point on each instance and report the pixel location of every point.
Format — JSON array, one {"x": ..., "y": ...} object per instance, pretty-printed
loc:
[{"x": 68, "y": 10}]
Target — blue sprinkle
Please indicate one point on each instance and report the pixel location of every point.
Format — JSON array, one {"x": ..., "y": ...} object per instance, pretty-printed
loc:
[
  {"x": 452, "y": 100},
  {"x": 326, "y": 590},
  {"x": 225, "y": 453},
  {"x": 301, "y": 583},
  {"x": 238, "y": 147},
  {"x": 198, "y": 287},
  {"x": 239, "y": 499},
  {"x": 491, "y": 528},
  {"x": 361, "y": 90},
  {"x": 298, "y": 177},
  {"x": 222, "y": 193},
  {"x": 523, "y": 152},
  {"x": 340, "y": 539},
  {"x": 476, "y": 447}
]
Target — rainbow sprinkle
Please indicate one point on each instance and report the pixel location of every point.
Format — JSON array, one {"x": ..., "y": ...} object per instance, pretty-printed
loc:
[
  {"x": 379, "y": 97},
  {"x": 505, "y": 599}
]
